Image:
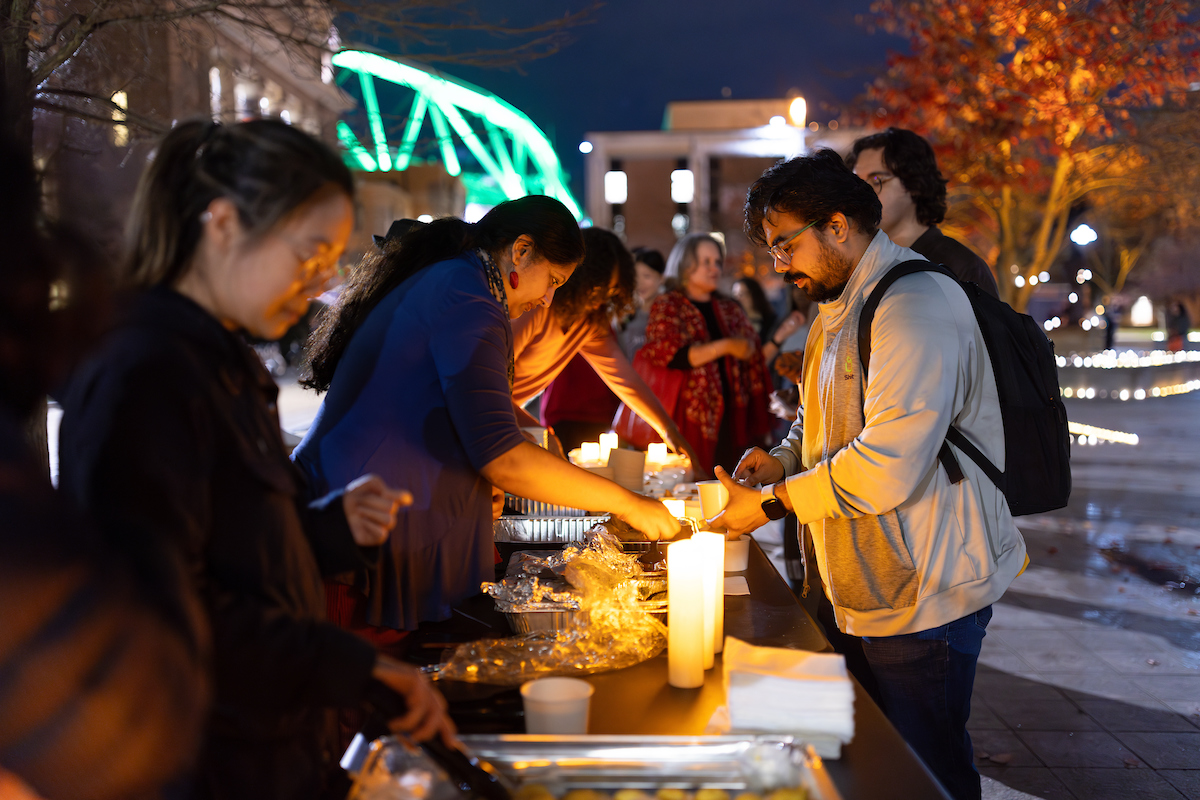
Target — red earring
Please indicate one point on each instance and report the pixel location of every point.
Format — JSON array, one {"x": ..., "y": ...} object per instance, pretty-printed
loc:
[{"x": 513, "y": 279}]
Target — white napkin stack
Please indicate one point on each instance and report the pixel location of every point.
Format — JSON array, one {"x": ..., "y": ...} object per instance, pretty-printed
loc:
[{"x": 810, "y": 695}]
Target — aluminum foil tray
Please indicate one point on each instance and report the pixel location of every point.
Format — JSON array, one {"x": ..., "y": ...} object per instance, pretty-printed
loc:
[
  {"x": 545, "y": 529},
  {"x": 533, "y": 508},
  {"x": 608, "y": 763}
]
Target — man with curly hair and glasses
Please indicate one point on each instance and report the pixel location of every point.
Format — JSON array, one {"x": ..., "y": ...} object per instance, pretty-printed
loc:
[{"x": 901, "y": 168}]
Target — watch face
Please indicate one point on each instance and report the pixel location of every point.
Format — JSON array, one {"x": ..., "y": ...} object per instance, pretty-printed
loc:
[{"x": 774, "y": 509}]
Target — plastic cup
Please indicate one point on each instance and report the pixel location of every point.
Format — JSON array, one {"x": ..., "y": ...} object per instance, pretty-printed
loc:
[
  {"x": 737, "y": 553},
  {"x": 713, "y": 498},
  {"x": 628, "y": 468},
  {"x": 556, "y": 705}
]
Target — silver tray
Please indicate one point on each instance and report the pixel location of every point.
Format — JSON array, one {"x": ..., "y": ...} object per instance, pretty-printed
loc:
[
  {"x": 732, "y": 763},
  {"x": 545, "y": 529},
  {"x": 534, "y": 508}
]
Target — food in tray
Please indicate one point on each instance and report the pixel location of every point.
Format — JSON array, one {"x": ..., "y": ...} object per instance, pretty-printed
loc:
[
  {"x": 620, "y": 529},
  {"x": 626, "y": 532},
  {"x": 537, "y": 791}
]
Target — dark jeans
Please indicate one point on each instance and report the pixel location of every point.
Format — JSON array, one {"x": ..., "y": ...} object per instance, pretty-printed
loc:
[{"x": 925, "y": 681}]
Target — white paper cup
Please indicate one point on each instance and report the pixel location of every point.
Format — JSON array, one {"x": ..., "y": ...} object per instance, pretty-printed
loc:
[
  {"x": 556, "y": 705},
  {"x": 737, "y": 553},
  {"x": 713, "y": 497},
  {"x": 628, "y": 468}
]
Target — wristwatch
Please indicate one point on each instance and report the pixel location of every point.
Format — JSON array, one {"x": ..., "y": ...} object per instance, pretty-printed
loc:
[{"x": 772, "y": 506}]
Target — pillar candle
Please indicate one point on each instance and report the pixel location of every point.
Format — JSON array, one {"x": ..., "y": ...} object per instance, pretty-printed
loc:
[
  {"x": 685, "y": 614},
  {"x": 714, "y": 591},
  {"x": 608, "y": 441},
  {"x": 656, "y": 454},
  {"x": 590, "y": 452}
]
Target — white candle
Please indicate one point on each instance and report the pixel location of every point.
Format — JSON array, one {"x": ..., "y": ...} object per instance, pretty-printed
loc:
[
  {"x": 685, "y": 615},
  {"x": 656, "y": 454},
  {"x": 589, "y": 452},
  {"x": 608, "y": 441},
  {"x": 676, "y": 507},
  {"x": 713, "y": 545}
]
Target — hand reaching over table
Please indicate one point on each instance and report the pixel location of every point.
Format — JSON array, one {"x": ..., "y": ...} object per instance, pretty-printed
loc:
[{"x": 370, "y": 506}]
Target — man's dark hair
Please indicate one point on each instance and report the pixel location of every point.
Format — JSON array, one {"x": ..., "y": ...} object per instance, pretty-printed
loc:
[
  {"x": 814, "y": 188},
  {"x": 910, "y": 158},
  {"x": 578, "y": 297}
]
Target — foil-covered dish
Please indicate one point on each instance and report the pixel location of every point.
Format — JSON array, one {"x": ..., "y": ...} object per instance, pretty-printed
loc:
[
  {"x": 542, "y": 589},
  {"x": 617, "y": 767},
  {"x": 587, "y": 608}
]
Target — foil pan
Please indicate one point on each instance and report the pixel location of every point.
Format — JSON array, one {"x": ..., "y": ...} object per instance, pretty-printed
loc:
[
  {"x": 528, "y": 620},
  {"x": 545, "y": 529},
  {"x": 534, "y": 508},
  {"x": 648, "y": 763}
]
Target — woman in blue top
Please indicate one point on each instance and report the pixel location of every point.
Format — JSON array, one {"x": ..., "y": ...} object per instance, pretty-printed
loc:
[{"x": 417, "y": 361}]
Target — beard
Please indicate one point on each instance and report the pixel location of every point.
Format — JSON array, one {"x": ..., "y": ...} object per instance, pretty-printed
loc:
[{"x": 833, "y": 275}]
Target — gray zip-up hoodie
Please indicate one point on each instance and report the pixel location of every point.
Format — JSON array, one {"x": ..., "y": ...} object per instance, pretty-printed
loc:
[{"x": 899, "y": 547}]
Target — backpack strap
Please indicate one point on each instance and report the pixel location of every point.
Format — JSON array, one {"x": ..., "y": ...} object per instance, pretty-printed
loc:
[{"x": 867, "y": 316}]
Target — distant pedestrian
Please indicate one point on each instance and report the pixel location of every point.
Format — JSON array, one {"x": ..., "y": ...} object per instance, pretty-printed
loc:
[
  {"x": 1179, "y": 322},
  {"x": 903, "y": 171}
]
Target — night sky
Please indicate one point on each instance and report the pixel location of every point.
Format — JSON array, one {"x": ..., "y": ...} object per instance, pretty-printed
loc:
[{"x": 620, "y": 70}]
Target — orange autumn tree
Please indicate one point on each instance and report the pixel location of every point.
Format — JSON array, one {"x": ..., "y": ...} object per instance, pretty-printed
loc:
[{"x": 1031, "y": 106}]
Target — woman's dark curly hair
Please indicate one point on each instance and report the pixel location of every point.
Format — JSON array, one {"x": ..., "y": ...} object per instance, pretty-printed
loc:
[
  {"x": 911, "y": 159},
  {"x": 555, "y": 235},
  {"x": 586, "y": 294}
]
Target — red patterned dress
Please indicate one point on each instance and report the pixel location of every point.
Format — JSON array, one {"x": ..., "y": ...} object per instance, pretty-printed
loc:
[{"x": 675, "y": 323}]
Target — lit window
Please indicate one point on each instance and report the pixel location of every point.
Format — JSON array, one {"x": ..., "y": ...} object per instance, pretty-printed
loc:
[
  {"x": 616, "y": 187},
  {"x": 683, "y": 186}
]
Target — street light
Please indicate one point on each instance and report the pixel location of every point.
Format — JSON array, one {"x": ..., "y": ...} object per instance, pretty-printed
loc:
[{"x": 1084, "y": 235}]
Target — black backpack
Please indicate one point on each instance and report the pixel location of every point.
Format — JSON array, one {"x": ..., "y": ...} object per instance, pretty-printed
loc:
[{"x": 1037, "y": 475}]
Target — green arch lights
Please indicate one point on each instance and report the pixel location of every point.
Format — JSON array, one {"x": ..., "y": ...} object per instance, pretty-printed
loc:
[{"x": 532, "y": 166}]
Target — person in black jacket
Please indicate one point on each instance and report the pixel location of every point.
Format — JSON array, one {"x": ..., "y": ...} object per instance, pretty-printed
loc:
[
  {"x": 171, "y": 440},
  {"x": 903, "y": 171},
  {"x": 93, "y": 679}
]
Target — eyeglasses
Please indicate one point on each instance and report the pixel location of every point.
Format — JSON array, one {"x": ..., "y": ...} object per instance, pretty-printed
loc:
[
  {"x": 878, "y": 180},
  {"x": 317, "y": 271},
  {"x": 778, "y": 252}
]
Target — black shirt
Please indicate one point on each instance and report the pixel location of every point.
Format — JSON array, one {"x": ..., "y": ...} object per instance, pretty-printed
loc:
[
  {"x": 957, "y": 257},
  {"x": 171, "y": 442}
]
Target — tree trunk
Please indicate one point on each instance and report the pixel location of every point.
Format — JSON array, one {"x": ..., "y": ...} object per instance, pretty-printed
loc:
[{"x": 16, "y": 102}]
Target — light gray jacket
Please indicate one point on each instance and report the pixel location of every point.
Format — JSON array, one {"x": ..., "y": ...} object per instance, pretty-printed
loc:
[{"x": 899, "y": 547}]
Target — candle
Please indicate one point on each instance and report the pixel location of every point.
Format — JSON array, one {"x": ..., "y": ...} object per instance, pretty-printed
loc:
[
  {"x": 590, "y": 452},
  {"x": 685, "y": 614},
  {"x": 713, "y": 545},
  {"x": 608, "y": 441},
  {"x": 656, "y": 454},
  {"x": 676, "y": 507}
]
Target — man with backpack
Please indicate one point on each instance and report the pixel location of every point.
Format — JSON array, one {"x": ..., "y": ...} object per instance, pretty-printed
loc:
[{"x": 913, "y": 541}]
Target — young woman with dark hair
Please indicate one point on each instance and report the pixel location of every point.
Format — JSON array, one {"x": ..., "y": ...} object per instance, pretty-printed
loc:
[
  {"x": 170, "y": 440},
  {"x": 707, "y": 341},
  {"x": 578, "y": 323},
  {"x": 417, "y": 361}
]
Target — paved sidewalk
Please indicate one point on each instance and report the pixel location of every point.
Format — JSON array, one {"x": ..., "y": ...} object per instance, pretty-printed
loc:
[{"x": 1089, "y": 679}]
